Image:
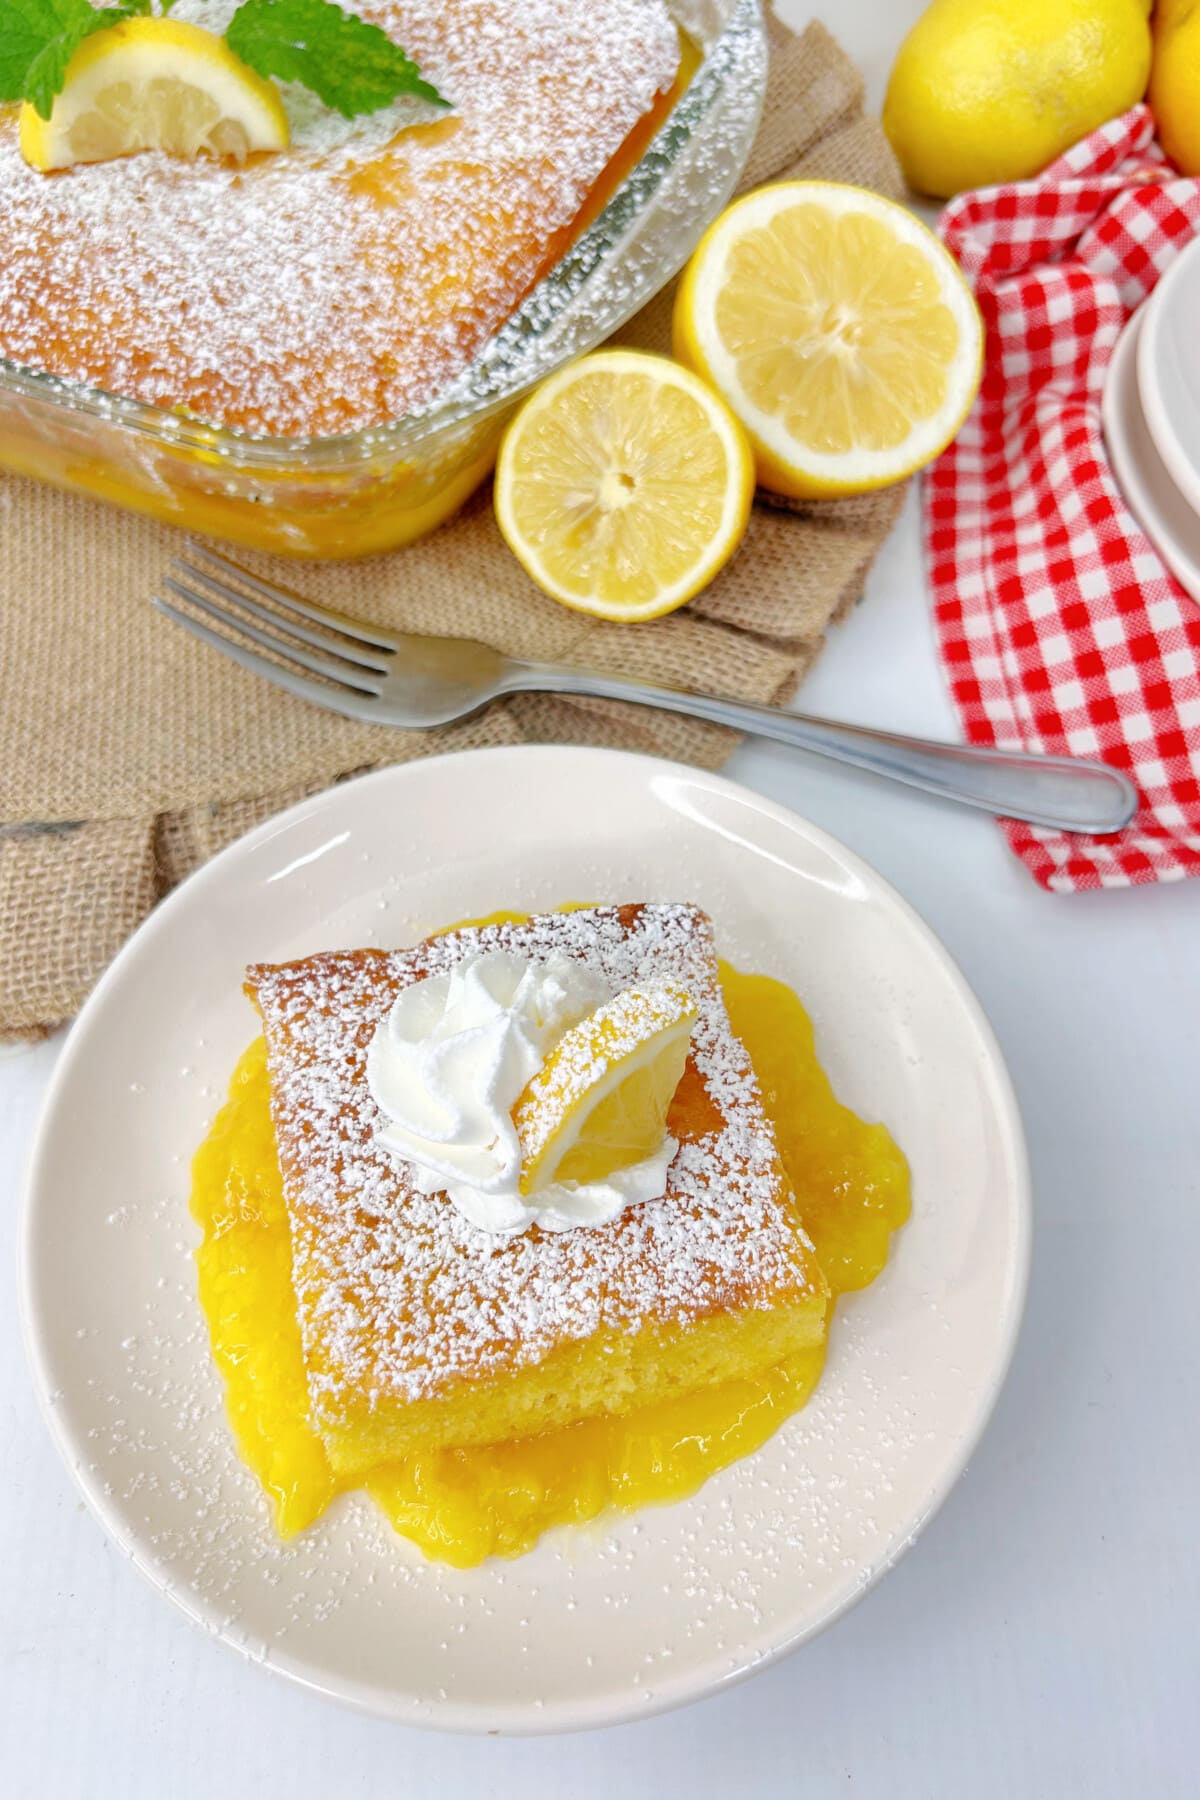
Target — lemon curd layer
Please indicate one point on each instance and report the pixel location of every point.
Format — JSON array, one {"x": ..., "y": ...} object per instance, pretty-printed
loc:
[{"x": 462, "y": 1506}]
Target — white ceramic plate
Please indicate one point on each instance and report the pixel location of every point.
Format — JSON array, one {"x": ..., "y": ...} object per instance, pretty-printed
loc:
[
  {"x": 638, "y": 1612},
  {"x": 1168, "y": 371},
  {"x": 1142, "y": 476}
]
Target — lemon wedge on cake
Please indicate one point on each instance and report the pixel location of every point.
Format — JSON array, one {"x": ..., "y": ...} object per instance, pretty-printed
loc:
[
  {"x": 154, "y": 84},
  {"x": 599, "y": 1101},
  {"x": 623, "y": 485},
  {"x": 839, "y": 330}
]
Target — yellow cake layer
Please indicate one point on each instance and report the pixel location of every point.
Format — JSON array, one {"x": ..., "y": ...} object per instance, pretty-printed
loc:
[
  {"x": 607, "y": 1373},
  {"x": 464, "y": 1505}
]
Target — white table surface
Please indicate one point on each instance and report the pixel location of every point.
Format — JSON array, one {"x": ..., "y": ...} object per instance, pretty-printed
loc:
[{"x": 1042, "y": 1639}]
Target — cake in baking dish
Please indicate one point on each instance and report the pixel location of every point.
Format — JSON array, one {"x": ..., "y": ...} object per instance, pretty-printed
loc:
[
  {"x": 346, "y": 281},
  {"x": 421, "y": 1331}
]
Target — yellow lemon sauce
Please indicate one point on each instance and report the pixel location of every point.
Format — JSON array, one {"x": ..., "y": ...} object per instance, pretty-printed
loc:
[{"x": 461, "y": 1506}]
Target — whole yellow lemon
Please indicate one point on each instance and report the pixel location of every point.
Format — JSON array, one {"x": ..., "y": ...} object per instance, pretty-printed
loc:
[
  {"x": 993, "y": 90},
  {"x": 1175, "y": 81}
]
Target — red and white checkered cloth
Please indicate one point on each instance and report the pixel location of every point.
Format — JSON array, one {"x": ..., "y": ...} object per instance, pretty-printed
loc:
[{"x": 1060, "y": 627}]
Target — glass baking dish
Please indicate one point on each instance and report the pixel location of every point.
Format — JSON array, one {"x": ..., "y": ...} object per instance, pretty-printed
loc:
[{"x": 375, "y": 489}]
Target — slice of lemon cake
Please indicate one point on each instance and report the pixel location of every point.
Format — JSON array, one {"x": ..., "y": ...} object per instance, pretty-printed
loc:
[{"x": 422, "y": 1329}]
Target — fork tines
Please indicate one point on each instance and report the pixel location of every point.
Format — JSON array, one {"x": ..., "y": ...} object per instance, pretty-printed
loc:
[{"x": 302, "y": 639}]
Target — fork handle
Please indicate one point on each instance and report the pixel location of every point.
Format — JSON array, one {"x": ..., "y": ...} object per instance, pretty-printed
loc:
[{"x": 1061, "y": 792}]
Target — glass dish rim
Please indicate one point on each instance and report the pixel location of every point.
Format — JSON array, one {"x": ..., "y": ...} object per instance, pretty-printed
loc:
[{"x": 548, "y": 299}]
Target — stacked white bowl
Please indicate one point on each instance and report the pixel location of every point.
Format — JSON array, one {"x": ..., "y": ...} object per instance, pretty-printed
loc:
[{"x": 1151, "y": 413}]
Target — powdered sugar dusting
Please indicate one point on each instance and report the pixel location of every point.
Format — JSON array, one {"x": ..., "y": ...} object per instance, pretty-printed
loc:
[
  {"x": 399, "y": 1295},
  {"x": 346, "y": 282}
]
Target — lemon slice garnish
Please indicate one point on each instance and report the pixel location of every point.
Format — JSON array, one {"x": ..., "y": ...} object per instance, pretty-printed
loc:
[
  {"x": 154, "y": 84},
  {"x": 599, "y": 1101},
  {"x": 623, "y": 485},
  {"x": 840, "y": 331}
]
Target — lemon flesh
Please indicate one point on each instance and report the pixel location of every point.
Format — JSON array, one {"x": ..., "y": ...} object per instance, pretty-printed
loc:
[
  {"x": 154, "y": 84},
  {"x": 623, "y": 485},
  {"x": 839, "y": 330},
  {"x": 599, "y": 1102}
]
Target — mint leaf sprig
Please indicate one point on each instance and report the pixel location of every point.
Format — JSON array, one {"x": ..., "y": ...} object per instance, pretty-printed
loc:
[{"x": 350, "y": 65}]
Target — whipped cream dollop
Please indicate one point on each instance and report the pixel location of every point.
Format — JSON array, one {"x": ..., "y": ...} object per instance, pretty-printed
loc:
[{"x": 446, "y": 1067}]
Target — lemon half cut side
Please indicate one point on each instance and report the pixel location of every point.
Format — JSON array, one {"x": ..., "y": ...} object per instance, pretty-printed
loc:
[
  {"x": 623, "y": 485},
  {"x": 841, "y": 332}
]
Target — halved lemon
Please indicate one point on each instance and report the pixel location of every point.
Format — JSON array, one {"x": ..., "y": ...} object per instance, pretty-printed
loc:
[
  {"x": 154, "y": 84},
  {"x": 623, "y": 484},
  {"x": 599, "y": 1101},
  {"x": 840, "y": 331}
]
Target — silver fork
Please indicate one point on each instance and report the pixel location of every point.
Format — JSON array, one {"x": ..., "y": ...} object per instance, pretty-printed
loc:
[{"x": 408, "y": 679}]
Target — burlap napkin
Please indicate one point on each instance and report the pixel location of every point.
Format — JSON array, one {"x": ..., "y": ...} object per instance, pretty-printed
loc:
[{"x": 129, "y": 753}]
